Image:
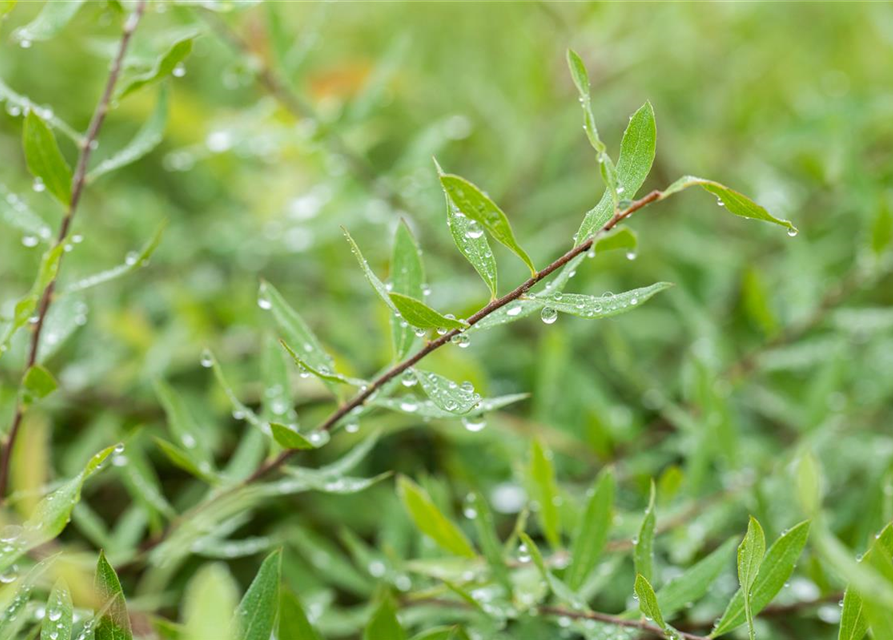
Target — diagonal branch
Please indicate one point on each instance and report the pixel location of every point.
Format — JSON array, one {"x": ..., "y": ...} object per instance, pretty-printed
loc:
[{"x": 77, "y": 188}]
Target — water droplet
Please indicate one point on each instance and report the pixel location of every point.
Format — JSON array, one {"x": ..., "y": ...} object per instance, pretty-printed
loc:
[
  {"x": 131, "y": 258},
  {"x": 409, "y": 404},
  {"x": 180, "y": 70},
  {"x": 461, "y": 340},
  {"x": 630, "y": 255},
  {"x": 549, "y": 315},
  {"x": 474, "y": 230},
  {"x": 474, "y": 423},
  {"x": 792, "y": 232},
  {"x": 30, "y": 241},
  {"x": 419, "y": 332},
  {"x": 263, "y": 301},
  {"x": 408, "y": 379},
  {"x": 38, "y": 185},
  {"x": 352, "y": 426},
  {"x": 207, "y": 359},
  {"x": 513, "y": 309},
  {"x": 24, "y": 43}
]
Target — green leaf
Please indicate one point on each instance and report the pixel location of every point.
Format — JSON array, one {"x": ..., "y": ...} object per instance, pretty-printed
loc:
[
  {"x": 384, "y": 623},
  {"x": 146, "y": 139},
  {"x": 256, "y": 613},
  {"x": 52, "y": 513},
  {"x": 591, "y": 533},
  {"x": 322, "y": 373},
  {"x": 178, "y": 51},
  {"x": 775, "y": 569},
  {"x": 853, "y": 622},
  {"x": 293, "y": 622},
  {"x": 430, "y": 521},
  {"x": 427, "y": 409},
  {"x": 183, "y": 426},
  {"x": 288, "y": 438},
  {"x": 605, "y": 306},
  {"x": 643, "y": 553},
  {"x": 44, "y": 159},
  {"x": 16, "y": 213},
  {"x": 750, "y": 556},
  {"x": 407, "y": 278},
  {"x": 545, "y": 491},
  {"x": 809, "y": 483},
  {"x": 295, "y": 330},
  {"x": 471, "y": 242},
  {"x": 514, "y": 310},
  {"x": 879, "y": 616},
  {"x": 559, "y": 588},
  {"x": 5, "y": 7},
  {"x": 209, "y": 593},
  {"x": 380, "y": 288},
  {"x": 619, "y": 238},
  {"x": 132, "y": 263},
  {"x": 37, "y": 384},
  {"x": 489, "y": 539},
  {"x": 735, "y": 202},
  {"x": 15, "y": 610},
  {"x": 187, "y": 462},
  {"x": 56, "y": 623},
  {"x": 596, "y": 218},
  {"x": 446, "y": 394},
  {"x": 420, "y": 315},
  {"x": 636, "y": 152},
  {"x": 27, "y": 304},
  {"x": 50, "y": 21},
  {"x": 648, "y": 604},
  {"x": 473, "y": 203},
  {"x": 694, "y": 583},
  {"x": 882, "y": 230},
  {"x": 113, "y": 622},
  {"x": 581, "y": 80}
]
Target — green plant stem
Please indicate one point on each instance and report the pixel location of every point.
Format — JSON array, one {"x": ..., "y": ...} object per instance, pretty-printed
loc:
[{"x": 77, "y": 188}]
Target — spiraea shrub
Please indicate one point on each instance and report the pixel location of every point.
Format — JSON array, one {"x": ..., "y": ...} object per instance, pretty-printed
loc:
[{"x": 225, "y": 421}]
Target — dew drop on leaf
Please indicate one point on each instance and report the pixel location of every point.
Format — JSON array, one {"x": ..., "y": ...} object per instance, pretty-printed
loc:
[{"x": 549, "y": 315}]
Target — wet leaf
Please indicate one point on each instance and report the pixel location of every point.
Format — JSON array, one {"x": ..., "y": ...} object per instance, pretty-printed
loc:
[
  {"x": 45, "y": 161},
  {"x": 430, "y": 521}
]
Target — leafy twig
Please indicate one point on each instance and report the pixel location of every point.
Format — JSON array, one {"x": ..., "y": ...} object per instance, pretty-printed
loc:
[
  {"x": 77, "y": 187},
  {"x": 607, "y": 618}
]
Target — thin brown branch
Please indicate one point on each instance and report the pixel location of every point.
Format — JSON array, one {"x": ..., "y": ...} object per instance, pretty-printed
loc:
[
  {"x": 77, "y": 188},
  {"x": 607, "y": 618}
]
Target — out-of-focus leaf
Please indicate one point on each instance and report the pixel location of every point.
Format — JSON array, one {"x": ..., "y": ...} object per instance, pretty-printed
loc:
[
  {"x": 6, "y": 6},
  {"x": 853, "y": 624},
  {"x": 132, "y": 262},
  {"x": 407, "y": 278},
  {"x": 183, "y": 425},
  {"x": 775, "y": 569},
  {"x": 256, "y": 613},
  {"x": 755, "y": 299},
  {"x": 37, "y": 384},
  {"x": 471, "y": 241},
  {"x": 591, "y": 533},
  {"x": 880, "y": 617},
  {"x": 636, "y": 151},
  {"x": 648, "y": 604},
  {"x": 26, "y": 305},
  {"x": 293, "y": 622},
  {"x": 420, "y": 315},
  {"x": 694, "y": 583},
  {"x": 474, "y": 204},
  {"x": 605, "y": 306},
  {"x": 643, "y": 553},
  {"x": 557, "y": 586},
  {"x": 22, "y": 104},
  {"x": 56, "y": 623},
  {"x": 146, "y": 139},
  {"x": 447, "y": 394},
  {"x": 427, "y": 409},
  {"x": 295, "y": 330},
  {"x": 619, "y": 238},
  {"x": 163, "y": 66},
  {"x": 113, "y": 622},
  {"x": 488, "y": 539},
  {"x": 384, "y": 623},
  {"x": 514, "y": 310},
  {"x": 882, "y": 229},
  {"x": 735, "y": 202},
  {"x": 14, "y": 212},
  {"x": 187, "y": 462},
  {"x": 430, "y": 521},
  {"x": 288, "y": 438},
  {"x": 50, "y": 21},
  {"x": 809, "y": 483},
  {"x": 45, "y": 161},
  {"x": 209, "y": 595},
  {"x": 545, "y": 491},
  {"x": 14, "y": 614}
]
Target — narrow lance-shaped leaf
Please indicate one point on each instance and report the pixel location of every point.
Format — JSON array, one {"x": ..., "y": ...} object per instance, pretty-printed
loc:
[
  {"x": 557, "y": 586},
  {"x": 648, "y": 604},
  {"x": 447, "y": 394},
  {"x": 591, "y": 534},
  {"x": 113, "y": 621},
  {"x": 853, "y": 624},
  {"x": 293, "y": 622},
  {"x": 735, "y": 202},
  {"x": 581, "y": 81},
  {"x": 775, "y": 569},
  {"x": 288, "y": 438},
  {"x": 471, "y": 241},
  {"x": 146, "y": 139},
  {"x": 420, "y": 315},
  {"x": 604, "y": 306},
  {"x": 430, "y": 521},
  {"x": 182, "y": 423},
  {"x": 16, "y": 213},
  {"x": 211, "y": 592},
  {"x": 384, "y": 623},
  {"x": 479, "y": 511},
  {"x": 51, "y": 20},
  {"x": 636, "y": 152},
  {"x": 380, "y": 288},
  {"x": 545, "y": 489},
  {"x": 27, "y": 304},
  {"x": 473, "y": 203},
  {"x": 56, "y": 623},
  {"x": 323, "y": 373},
  {"x": 407, "y": 278},
  {"x": 178, "y": 51},
  {"x": 427, "y": 409},
  {"x": 256, "y": 613},
  {"x": 44, "y": 159},
  {"x": 643, "y": 553},
  {"x": 296, "y": 332},
  {"x": 187, "y": 462},
  {"x": 750, "y": 556}
]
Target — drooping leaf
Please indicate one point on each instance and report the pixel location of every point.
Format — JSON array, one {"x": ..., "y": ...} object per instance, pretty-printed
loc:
[
  {"x": 256, "y": 613},
  {"x": 175, "y": 54},
  {"x": 604, "y": 306},
  {"x": 50, "y": 21},
  {"x": 132, "y": 262},
  {"x": 648, "y": 602},
  {"x": 146, "y": 139},
  {"x": 430, "y": 521},
  {"x": 643, "y": 553},
  {"x": 384, "y": 623},
  {"x": 407, "y": 278},
  {"x": 420, "y": 315},
  {"x": 775, "y": 569},
  {"x": 288, "y": 438},
  {"x": 591, "y": 533},
  {"x": 545, "y": 488},
  {"x": 44, "y": 159},
  {"x": 210, "y": 593},
  {"x": 636, "y": 152},
  {"x": 323, "y": 373},
  {"x": 427, "y": 409},
  {"x": 113, "y": 622},
  {"x": 622, "y": 238},
  {"x": 57, "y": 620},
  {"x": 474, "y": 204},
  {"x": 295, "y": 330},
  {"x": 735, "y": 202},
  {"x": 293, "y": 622},
  {"x": 447, "y": 394}
]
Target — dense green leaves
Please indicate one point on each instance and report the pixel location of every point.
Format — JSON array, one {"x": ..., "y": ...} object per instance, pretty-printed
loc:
[
  {"x": 592, "y": 530},
  {"x": 420, "y": 315},
  {"x": 430, "y": 521},
  {"x": 113, "y": 623},
  {"x": 45, "y": 161},
  {"x": 256, "y": 613},
  {"x": 475, "y": 204}
]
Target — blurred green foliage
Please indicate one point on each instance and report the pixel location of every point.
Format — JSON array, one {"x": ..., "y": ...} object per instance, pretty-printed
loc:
[{"x": 761, "y": 384}]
